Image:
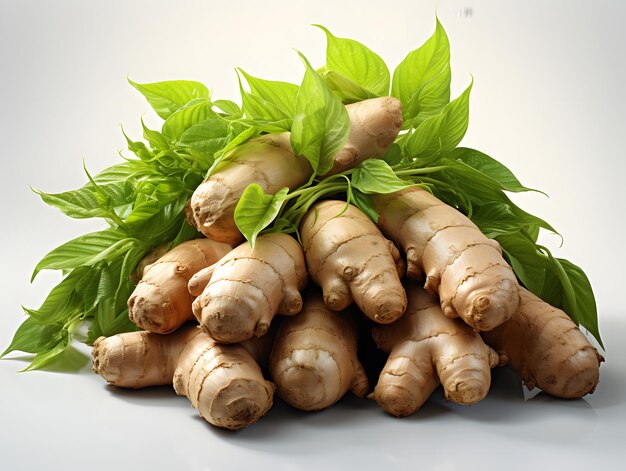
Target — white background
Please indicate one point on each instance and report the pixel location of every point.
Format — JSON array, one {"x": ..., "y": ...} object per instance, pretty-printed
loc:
[{"x": 548, "y": 101}]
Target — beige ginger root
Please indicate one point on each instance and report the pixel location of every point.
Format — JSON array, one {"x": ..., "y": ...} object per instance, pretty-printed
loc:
[
  {"x": 269, "y": 161},
  {"x": 425, "y": 349},
  {"x": 314, "y": 359},
  {"x": 374, "y": 125},
  {"x": 546, "y": 348},
  {"x": 239, "y": 296},
  {"x": 161, "y": 302},
  {"x": 351, "y": 260},
  {"x": 224, "y": 382},
  {"x": 461, "y": 265}
]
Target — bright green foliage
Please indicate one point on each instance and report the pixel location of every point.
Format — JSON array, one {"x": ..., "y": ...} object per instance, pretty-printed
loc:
[
  {"x": 422, "y": 80},
  {"x": 142, "y": 199},
  {"x": 321, "y": 123},
  {"x": 256, "y": 210},
  {"x": 353, "y": 71}
]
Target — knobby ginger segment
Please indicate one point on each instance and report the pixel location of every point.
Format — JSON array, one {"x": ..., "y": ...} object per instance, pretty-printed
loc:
[
  {"x": 239, "y": 296},
  {"x": 425, "y": 349},
  {"x": 224, "y": 382},
  {"x": 161, "y": 302},
  {"x": 314, "y": 359},
  {"x": 351, "y": 260},
  {"x": 269, "y": 161},
  {"x": 460, "y": 264},
  {"x": 374, "y": 125},
  {"x": 546, "y": 348}
]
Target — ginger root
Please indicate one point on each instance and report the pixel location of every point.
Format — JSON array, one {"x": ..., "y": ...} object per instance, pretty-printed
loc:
[
  {"x": 461, "y": 265},
  {"x": 314, "y": 359},
  {"x": 425, "y": 349},
  {"x": 374, "y": 125},
  {"x": 161, "y": 302},
  {"x": 544, "y": 346},
  {"x": 239, "y": 296},
  {"x": 224, "y": 382},
  {"x": 351, "y": 260},
  {"x": 269, "y": 161}
]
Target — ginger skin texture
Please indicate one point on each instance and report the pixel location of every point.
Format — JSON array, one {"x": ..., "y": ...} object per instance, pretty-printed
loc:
[
  {"x": 546, "y": 348},
  {"x": 161, "y": 302},
  {"x": 374, "y": 125},
  {"x": 224, "y": 382},
  {"x": 351, "y": 260},
  {"x": 425, "y": 349},
  {"x": 239, "y": 296},
  {"x": 314, "y": 359},
  {"x": 269, "y": 161},
  {"x": 462, "y": 266}
]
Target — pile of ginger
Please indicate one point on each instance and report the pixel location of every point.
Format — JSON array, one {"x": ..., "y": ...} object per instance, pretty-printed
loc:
[{"x": 437, "y": 293}]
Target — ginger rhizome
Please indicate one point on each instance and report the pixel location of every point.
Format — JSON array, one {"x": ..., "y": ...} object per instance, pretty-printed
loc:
[
  {"x": 224, "y": 382},
  {"x": 161, "y": 302},
  {"x": 350, "y": 259},
  {"x": 239, "y": 296},
  {"x": 544, "y": 346},
  {"x": 314, "y": 360},
  {"x": 269, "y": 162},
  {"x": 426, "y": 349},
  {"x": 374, "y": 125},
  {"x": 460, "y": 265}
]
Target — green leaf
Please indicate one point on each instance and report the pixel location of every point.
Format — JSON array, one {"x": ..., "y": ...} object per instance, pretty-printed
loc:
[
  {"x": 168, "y": 97},
  {"x": 256, "y": 210},
  {"x": 152, "y": 197},
  {"x": 62, "y": 358},
  {"x": 130, "y": 170},
  {"x": 189, "y": 115},
  {"x": 230, "y": 108},
  {"x": 62, "y": 303},
  {"x": 280, "y": 95},
  {"x": 489, "y": 167},
  {"x": 231, "y": 149},
  {"x": 138, "y": 148},
  {"x": 208, "y": 136},
  {"x": 85, "y": 250},
  {"x": 33, "y": 337},
  {"x": 87, "y": 202},
  {"x": 527, "y": 261},
  {"x": 154, "y": 138},
  {"x": 365, "y": 204},
  {"x": 375, "y": 176},
  {"x": 357, "y": 63},
  {"x": 441, "y": 133},
  {"x": 568, "y": 288},
  {"x": 321, "y": 124},
  {"x": 347, "y": 90},
  {"x": 422, "y": 80}
]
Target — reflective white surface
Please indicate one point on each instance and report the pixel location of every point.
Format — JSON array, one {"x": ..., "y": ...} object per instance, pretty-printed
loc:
[{"x": 548, "y": 101}]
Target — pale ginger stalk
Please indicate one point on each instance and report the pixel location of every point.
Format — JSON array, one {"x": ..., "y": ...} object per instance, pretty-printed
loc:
[
  {"x": 314, "y": 359},
  {"x": 161, "y": 302},
  {"x": 461, "y": 265},
  {"x": 546, "y": 348},
  {"x": 239, "y": 296},
  {"x": 224, "y": 382},
  {"x": 425, "y": 349},
  {"x": 351, "y": 260},
  {"x": 269, "y": 161}
]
